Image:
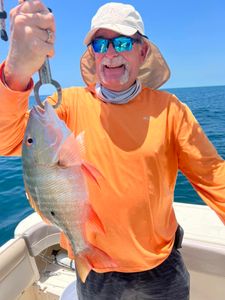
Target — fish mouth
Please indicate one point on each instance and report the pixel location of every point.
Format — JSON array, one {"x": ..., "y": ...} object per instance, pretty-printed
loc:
[
  {"x": 39, "y": 111},
  {"x": 43, "y": 114}
]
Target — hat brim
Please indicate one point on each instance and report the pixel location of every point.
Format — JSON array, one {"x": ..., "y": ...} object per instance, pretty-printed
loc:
[
  {"x": 153, "y": 73},
  {"x": 121, "y": 29}
]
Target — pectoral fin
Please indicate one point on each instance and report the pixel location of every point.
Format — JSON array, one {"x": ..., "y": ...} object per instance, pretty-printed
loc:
[
  {"x": 69, "y": 154},
  {"x": 83, "y": 267}
]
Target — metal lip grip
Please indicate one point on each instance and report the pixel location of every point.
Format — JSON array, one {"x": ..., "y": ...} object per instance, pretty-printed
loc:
[{"x": 46, "y": 78}]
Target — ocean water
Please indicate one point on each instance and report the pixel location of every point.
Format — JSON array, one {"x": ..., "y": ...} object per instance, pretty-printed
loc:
[{"x": 208, "y": 106}]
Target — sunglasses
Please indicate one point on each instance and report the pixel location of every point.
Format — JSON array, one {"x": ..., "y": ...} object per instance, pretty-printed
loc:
[{"x": 120, "y": 44}]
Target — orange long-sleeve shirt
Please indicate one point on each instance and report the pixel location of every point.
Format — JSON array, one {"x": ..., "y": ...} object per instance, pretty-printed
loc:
[{"x": 138, "y": 147}]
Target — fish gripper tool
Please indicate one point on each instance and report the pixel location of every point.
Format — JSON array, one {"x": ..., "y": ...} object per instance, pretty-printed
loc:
[{"x": 46, "y": 78}]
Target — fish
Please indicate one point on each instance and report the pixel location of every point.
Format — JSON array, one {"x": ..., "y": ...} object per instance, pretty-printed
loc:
[
  {"x": 3, "y": 16},
  {"x": 54, "y": 174}
]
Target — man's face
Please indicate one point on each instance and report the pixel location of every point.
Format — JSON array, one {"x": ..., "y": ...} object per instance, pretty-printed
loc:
[{"x": 117, "y": 71}]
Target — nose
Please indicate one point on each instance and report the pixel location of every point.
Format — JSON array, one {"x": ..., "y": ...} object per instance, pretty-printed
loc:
[{"x": 111, "y": 52}]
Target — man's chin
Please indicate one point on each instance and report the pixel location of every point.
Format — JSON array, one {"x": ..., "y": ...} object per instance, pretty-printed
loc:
[{"x": 115, "y": 84}]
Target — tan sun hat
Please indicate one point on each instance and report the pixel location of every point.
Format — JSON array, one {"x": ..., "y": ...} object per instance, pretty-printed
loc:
[{"x": 125, "y": 20}]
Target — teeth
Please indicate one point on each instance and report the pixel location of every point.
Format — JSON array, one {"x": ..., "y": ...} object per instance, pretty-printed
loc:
[{"x": 112, "y": 67}]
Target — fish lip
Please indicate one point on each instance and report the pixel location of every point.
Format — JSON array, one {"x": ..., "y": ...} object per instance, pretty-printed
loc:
[
  {"x": 39, "y": 111},
  {"x": 42, "y": 110},
  {"x": 43, "y": 114}
]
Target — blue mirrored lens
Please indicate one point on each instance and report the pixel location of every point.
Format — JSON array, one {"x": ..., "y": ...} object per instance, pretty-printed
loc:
[
  {"x": 120, "y": 44},
  {"x": 123, "y": 44},
  {"x": 100, "y": 45}
]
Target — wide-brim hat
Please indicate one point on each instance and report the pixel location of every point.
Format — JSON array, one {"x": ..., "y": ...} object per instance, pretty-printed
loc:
[{"x": 125, "y": 20}]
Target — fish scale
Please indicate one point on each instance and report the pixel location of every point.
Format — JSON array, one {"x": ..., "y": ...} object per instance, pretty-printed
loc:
[{"x": 55, "y": 199}]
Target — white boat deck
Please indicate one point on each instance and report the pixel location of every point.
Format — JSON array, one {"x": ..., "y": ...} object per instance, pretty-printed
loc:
[{"x": 53, "y": 281}]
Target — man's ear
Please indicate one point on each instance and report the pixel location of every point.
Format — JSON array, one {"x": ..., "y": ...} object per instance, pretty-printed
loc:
[{"x": 145, "y": 48}]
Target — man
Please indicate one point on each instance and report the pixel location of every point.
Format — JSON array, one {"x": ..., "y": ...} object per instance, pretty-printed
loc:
[{"x": 136, "y": 136}]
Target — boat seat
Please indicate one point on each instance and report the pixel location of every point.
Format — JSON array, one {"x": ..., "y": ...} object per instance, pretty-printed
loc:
[
  {"x": 18, "y": 269},
  {"x": 37, "y": 234}
]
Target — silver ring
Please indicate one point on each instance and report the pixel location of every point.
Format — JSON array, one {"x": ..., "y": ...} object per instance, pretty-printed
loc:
[{"x": 50, "y": 36}]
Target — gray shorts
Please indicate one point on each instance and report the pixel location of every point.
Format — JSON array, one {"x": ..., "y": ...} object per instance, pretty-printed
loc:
[{"x": 168, "y": 281}]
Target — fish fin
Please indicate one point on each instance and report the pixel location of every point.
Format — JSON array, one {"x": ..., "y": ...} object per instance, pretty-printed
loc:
[
  {"x": 94, "y": 254},
  {"x": 99, "y": 257},
  {"x": 94, "y": 223},
  {"x": 83, "y": 267},
  {"x": 91, "y": 171},
  {"x": 69, "y": 154}
]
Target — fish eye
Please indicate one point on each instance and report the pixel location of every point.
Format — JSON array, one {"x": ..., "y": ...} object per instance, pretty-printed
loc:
[
  {"x": 29, "y": 141},
  {"x": 52, "y": 213}
]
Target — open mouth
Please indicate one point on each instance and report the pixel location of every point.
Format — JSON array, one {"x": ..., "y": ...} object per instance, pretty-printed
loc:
[{"x": 115, "y": 67}]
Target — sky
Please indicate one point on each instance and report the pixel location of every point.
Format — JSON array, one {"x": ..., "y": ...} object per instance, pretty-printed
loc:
[{"x": 190, "y": 34}]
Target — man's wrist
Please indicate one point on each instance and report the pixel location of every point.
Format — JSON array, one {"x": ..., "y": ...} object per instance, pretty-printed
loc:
[
  {"x": 8, "y": 95},
  {"x": 11, "y": 81}
]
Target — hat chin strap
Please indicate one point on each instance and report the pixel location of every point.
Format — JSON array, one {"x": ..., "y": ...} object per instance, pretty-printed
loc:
[{"x": 122, "y": 97}]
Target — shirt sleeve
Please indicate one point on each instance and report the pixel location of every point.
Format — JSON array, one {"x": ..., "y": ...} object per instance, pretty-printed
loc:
[
  {"x": 199, "y": 161},
  {"x": 14, "y": 115}
]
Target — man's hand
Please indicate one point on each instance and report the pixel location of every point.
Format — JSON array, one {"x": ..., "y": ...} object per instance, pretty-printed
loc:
[{"x": 31, "y": 40}]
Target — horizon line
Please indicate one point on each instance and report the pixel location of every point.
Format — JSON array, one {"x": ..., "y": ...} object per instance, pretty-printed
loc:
[{"x": 162, "y": 88}]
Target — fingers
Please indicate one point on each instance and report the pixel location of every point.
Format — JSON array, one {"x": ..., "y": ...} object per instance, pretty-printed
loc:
[
  {"x": 51, "y": 37},
  {"x": 37, "y": 18},
  {"x": 30, "y": 22},
  {"x": 36, "y": 31},
  {"x": 45, "y": 36},
  {"x": 32, "y": 6},
  {"x": 45, "y": 21},
  {"x": 32, "y": 37}
]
